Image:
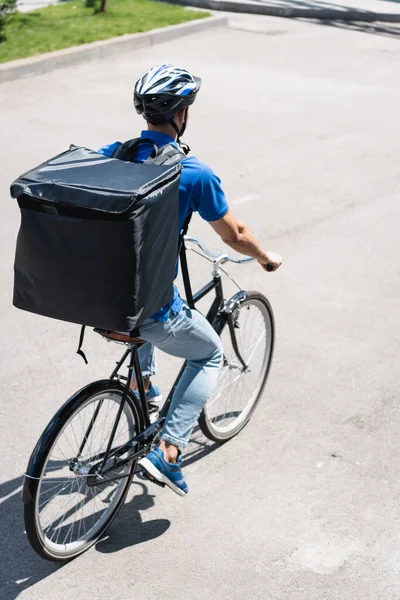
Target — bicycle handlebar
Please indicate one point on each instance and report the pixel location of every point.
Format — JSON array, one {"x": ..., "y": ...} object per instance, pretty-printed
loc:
[
  {"x": 222, "y": 258},
  {"x": 214, "y": 254}
]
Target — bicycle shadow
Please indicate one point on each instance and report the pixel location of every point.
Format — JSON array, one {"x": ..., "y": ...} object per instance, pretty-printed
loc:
[
  {"x": 128, "y": 528},
  {"x": 198, "y": 448},
  {"x": 26, "y": 568}
]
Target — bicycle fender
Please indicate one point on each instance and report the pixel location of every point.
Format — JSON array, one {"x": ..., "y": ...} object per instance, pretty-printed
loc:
[{"x": 234, "y": 302}]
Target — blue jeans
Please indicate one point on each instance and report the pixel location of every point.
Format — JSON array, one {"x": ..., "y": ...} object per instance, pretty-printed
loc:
[{"x": 187, "y": 335}]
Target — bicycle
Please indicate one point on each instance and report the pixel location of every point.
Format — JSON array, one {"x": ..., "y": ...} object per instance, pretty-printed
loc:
[{"x": 80, "y": 470}]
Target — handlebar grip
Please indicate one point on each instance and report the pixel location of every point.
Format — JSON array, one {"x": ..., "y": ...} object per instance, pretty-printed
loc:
[{"x": 270, "y": 267}]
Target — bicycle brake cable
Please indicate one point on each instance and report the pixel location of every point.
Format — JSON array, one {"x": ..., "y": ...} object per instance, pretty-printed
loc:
[{"x": 223, "y": 270}]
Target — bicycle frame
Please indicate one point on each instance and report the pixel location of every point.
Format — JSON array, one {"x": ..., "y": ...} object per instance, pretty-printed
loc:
[{"x": 141, "y": 442}]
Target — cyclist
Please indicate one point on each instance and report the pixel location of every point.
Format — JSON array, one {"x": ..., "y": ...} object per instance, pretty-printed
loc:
[{"x": 163, "y": 96}]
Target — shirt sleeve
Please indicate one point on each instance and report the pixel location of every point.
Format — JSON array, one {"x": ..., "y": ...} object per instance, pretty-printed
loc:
[
  {"x": 109, "y": 149},
  {"x": 209, "y": 200}
]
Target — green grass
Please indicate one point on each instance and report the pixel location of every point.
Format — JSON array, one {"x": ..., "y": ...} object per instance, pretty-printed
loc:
[{"x": 70, "y": 24}]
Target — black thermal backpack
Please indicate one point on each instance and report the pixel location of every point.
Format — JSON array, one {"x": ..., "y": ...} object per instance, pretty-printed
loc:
[{"x": 99, "y": 236}]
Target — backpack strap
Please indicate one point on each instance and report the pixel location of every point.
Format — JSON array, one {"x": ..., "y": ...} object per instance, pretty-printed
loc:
[
  {"x": 169, "y": 154},
  {"x": 184, "y": 265},
  {"x": 127, "y": 150},
  {"x": 80, "y": 351}
]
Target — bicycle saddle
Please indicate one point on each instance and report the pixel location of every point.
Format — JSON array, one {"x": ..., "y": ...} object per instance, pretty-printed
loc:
[{"x": 116, "y": 336}]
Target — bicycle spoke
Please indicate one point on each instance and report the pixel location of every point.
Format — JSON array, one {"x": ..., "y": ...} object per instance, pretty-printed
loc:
[
  {"x": 74, "y": 434},
  {"x": 69, "y": 512},
  {"x": 66, "y": 503},
  {"x": 58, "y": 485},
  {"x": 236, "y": 389}
]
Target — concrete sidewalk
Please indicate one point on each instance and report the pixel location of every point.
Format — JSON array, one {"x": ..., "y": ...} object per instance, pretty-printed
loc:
[
  {"x": 49, "y": 61},
  {"x": 349, "y": 10},
  {"x": 346, "y": 10},
  {"x": 27, "y": 5}
]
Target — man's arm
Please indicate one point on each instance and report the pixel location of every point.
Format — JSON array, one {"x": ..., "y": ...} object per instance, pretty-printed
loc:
[{"x": 239, "y": 237}]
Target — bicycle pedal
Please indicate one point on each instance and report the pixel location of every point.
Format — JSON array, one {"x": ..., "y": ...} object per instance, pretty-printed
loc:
[
  {"x": 159, "y": 483},
  {"x": 152, "y": 479}
]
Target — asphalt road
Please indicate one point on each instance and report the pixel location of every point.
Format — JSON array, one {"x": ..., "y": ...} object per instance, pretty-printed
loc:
[{"x": 301, "y": 121}]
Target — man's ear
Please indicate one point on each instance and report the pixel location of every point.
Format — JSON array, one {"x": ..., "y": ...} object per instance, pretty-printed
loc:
[{"x": 182, "y": 113}]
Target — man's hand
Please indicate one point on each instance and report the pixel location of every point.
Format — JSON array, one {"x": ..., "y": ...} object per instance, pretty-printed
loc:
[
  {"x": 270, "y": 258},
  {"x": 239, "y": 237}
]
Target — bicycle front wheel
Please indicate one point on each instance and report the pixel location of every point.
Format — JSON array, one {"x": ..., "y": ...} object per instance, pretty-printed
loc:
[
  {"x": 67, "y": 506},
  {"x": 239, "y": 390}
]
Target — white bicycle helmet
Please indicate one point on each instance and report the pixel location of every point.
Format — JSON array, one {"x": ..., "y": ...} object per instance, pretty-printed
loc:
[{"x": 162, "y": 91}]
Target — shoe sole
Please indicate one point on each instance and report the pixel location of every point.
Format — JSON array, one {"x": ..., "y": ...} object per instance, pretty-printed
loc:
[{"x": 148, "y": 466}]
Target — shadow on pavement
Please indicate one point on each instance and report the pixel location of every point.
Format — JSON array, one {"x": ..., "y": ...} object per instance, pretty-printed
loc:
[
  {"x": 198, "y": 448},
  {"x": 336, "y": 10},
  {"x": 312, "y": 4},
  {"x": 300, "y": 9},
  {"x": 376, "y": 28},
  {"x": 128, "y": 528},
  {"x": 21, "y": 568},
  {"x": 383, "y": 29}
]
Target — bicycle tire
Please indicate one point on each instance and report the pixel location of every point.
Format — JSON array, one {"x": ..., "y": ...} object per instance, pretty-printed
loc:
[
  {"x": 41, "y": 454},
  {"x": 206, "y": 422}
]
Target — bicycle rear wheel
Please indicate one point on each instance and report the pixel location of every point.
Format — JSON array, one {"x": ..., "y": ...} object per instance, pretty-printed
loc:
[
  {"x": 67, "y": 507},
  {"x": 238, "y": 391}
]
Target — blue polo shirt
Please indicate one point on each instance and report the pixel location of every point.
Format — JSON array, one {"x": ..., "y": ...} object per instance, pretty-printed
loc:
[{"x": 199, "y": 191}]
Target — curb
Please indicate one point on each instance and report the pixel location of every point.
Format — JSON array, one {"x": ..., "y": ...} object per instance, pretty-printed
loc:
[
  {"x": 38, "y": 65},
  {"x": 323, "y": 14}
]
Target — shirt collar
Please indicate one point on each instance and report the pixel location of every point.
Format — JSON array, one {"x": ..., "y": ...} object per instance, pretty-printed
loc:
[{"x": 157, "y": 136}]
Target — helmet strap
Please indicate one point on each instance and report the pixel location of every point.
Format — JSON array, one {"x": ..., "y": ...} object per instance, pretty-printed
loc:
[
  {"x": 175, "y": 127},
  {"x": 180, "y": 132}
]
